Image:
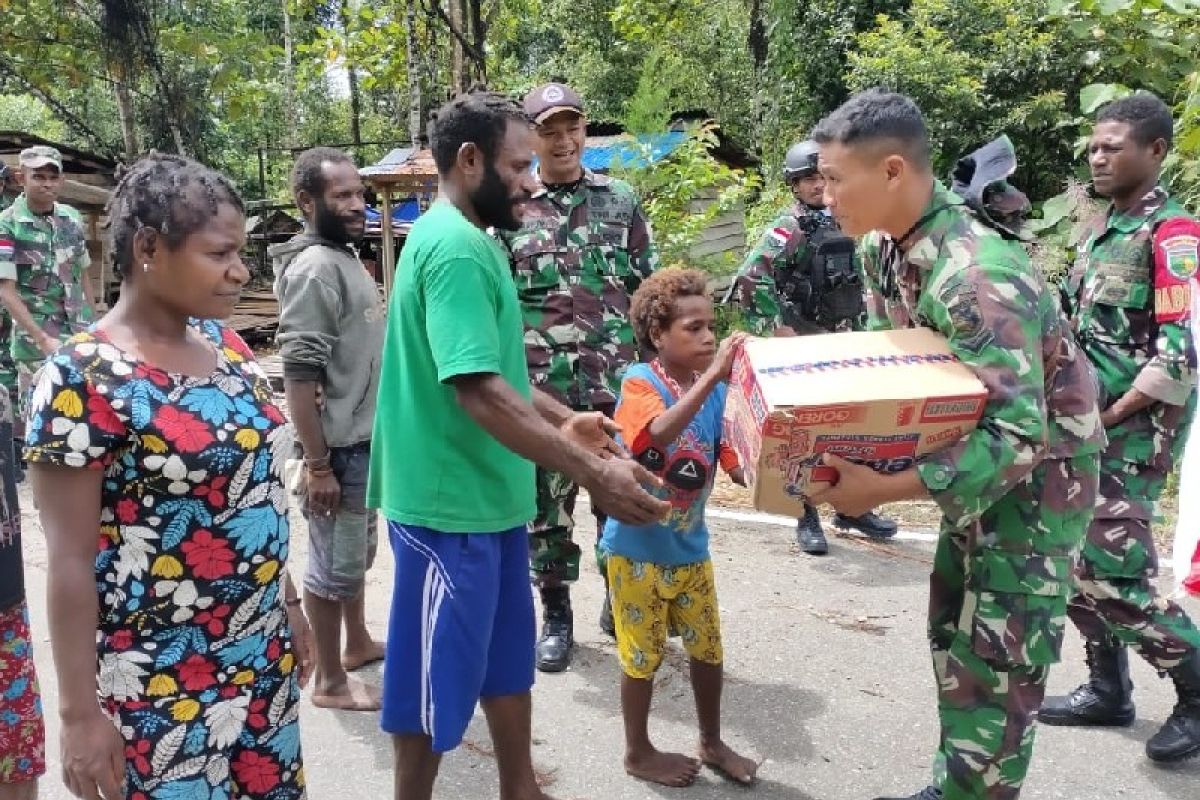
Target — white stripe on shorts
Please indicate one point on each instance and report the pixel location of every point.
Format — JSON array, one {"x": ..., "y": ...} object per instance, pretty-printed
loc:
[
  {"x": 431, "y": 605},
  {"x": 424, "y": 549}
]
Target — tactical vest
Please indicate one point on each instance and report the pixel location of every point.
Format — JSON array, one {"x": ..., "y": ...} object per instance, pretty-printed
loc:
[{"x": 824, "y": 289}]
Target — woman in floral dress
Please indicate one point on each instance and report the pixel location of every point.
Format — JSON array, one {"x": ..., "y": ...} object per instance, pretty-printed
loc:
[{"x": 154, "y": 450}]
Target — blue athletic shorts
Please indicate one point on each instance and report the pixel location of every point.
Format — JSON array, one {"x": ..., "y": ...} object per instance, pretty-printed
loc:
[{"x": 461, "y": 629}]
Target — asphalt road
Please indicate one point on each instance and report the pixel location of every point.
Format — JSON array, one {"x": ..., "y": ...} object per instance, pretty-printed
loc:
[{"x": 828, "y": 684}]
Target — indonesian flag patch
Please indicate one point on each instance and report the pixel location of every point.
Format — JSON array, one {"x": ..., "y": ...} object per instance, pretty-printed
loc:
[
  {"x": 780, "y": 236},
  {"x": 6, "y": 249},
  {"x": 1176, "y": 253}
]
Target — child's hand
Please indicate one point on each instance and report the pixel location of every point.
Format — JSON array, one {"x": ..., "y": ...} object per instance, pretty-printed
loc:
[
  {"x": 738, "y": 476},
  {"x": 723, "y": 361}
]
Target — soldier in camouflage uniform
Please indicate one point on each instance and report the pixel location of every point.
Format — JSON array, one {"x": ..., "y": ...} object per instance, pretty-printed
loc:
[
  {"x": 1016, "y": 493},
  {"x": 1129, "y": 300},
  {"x": 44, "y": 283},
  {"x": 583, "y": 248},
  {"x": 801, "y": 278}
]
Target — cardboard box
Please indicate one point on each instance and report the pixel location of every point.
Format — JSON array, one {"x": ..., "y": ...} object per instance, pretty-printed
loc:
[{"x": 880, "y": 399}]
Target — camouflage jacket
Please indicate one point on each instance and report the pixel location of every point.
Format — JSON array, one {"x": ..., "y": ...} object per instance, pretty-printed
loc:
[
  {"x": 46, "y": 256},
  {"x": 782, "y": 247},
  {"x": 1003, "y": 321},
  {"x": 1129, "y": 301},
  {"x": 580, "y": 254}
]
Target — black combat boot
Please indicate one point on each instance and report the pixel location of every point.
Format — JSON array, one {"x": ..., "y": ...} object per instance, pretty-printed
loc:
[
  {"x": 928, "y": 793},
  {"x": 1179, "y": 737},
  {"x": 553, "y": 651},
  {"x": 869, "y": 523},
  {"x": 1105, "y": 700},
  {"x": 809, "y": 534}
]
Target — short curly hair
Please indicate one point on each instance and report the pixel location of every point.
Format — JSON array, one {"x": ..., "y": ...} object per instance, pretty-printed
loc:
[
  {"x": 653, "y": 305},
  {"x": 1148, "y": 117}
]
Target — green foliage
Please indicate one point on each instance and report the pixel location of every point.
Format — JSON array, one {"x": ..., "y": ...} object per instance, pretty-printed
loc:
[
  {"x": 1062, "y": 219},
  {"x": 979, "y": 68},
  {"x": 649, "y": 110},
  {"x": 676, "y": 193},
  {"x": 24, "y": 113}
]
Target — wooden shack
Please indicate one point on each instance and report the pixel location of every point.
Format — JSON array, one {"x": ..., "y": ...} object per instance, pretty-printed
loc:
[{"x": 404, "y": 174}]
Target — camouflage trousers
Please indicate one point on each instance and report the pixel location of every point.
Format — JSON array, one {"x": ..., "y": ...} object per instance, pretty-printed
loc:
[
  {"x": 1114, "y": 595},
  {"x": 997, "y": 610},
  {"x": 553, "y": 554},
  {"x": 26, "y": 370},
  {"x": 8, "y": 368}
]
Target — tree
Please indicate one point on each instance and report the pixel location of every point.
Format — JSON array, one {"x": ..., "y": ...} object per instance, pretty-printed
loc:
[{"x": 979, "y": 68}]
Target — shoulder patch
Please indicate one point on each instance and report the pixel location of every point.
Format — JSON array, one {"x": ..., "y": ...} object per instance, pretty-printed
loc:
[
  {"x": 1176, "y": 253},
  {"x": 780, "y": 235},
  {"x": 7, "y": 247},
  {"x": 970, "y": 332}
]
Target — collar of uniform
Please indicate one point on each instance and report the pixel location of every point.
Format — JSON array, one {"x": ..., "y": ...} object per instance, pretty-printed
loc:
[
  {"x": 22, "y": 213},
  {"x": 590, "y": 179},
  {"x": 1129, "y": 221},
  {"x": 926, "y": 236}
]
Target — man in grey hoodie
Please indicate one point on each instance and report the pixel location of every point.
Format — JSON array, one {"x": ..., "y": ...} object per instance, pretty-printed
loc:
[{"x": 331, "y": 327}]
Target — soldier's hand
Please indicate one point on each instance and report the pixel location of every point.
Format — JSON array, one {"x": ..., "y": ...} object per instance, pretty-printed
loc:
[
  {"x": 723, "y": 361},
  {"x": 47, "y": 344},
  {"x": 856, "y": 491},
  {"x": 594, "y": 432},
  {"x": 618, "y": 492},
  {"x": 785, "y": 330}
]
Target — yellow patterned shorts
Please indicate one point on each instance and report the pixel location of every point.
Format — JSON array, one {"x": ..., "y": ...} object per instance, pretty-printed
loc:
[{"x": 650, "y": 600}]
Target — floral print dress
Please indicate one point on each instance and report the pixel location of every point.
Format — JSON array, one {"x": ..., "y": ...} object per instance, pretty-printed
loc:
[{"x": 194, "y": 659}]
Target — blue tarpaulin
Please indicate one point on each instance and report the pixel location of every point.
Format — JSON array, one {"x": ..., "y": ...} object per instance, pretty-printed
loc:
[
  {"x": 405, "y": 211},
  {"x": 628, "y": 154},
  {"x": 622, "y": 151}
]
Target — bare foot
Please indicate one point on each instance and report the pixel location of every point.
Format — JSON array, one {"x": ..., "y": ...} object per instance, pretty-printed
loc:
[
  {"x": 354, "y": 695},
  {"x": 669, "y": 769},
  {"x": 721, "y": 758},
  {"x": 359, "y": 658}
]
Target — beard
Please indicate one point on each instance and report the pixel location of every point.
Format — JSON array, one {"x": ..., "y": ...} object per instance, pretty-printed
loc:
[
  {"x": 492, "y": 202},
  {"x": 333, "y": 227}
]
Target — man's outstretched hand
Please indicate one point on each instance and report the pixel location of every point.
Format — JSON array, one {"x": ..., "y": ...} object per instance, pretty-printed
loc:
[
  {"x": 594, "y": 432},
  {"x": 618, "y": 492}
]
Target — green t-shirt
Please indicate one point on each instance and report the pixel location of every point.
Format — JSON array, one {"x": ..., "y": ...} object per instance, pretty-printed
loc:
[{"x": 454, "y": 311}]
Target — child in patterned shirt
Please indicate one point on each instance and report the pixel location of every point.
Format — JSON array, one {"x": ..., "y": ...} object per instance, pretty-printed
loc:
[{"x": 661, "y": 575}]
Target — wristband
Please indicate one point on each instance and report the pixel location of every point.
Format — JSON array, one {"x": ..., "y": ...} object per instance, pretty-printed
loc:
[{"x": 292, "y": 602}]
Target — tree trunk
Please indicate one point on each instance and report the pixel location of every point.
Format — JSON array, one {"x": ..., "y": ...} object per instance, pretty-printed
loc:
[
  {"x": 458, "y": 73},
  {"x": 352, "y": 79},
  {"x": 478, "y": 37},
  {"x": 289, "y": 81},
  {"x": 125, "y": 113},
  {"x": 758, "y": 42},
  {"x": 414, "y": 74}
]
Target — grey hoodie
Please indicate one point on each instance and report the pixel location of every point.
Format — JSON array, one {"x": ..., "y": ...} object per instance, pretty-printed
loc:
[{"x": 331, "y": 328}]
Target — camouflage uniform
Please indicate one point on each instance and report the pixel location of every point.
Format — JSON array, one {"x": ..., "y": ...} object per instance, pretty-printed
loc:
[
  {"x": 1016, "y": 494},
  {"x": 1129, "y": 303},
  {"x": 47, "y": 256},
  {"x": 581, "y": 252},
  {"x": 8, "y": 368},
  {"x": 783, "y": 248}
]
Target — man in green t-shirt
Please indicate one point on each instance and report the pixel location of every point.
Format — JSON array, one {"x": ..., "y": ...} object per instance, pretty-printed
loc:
[{"x": 457, "y": 430}]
